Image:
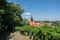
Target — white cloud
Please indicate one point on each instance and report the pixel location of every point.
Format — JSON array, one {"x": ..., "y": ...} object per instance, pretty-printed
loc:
[{"x": 27, "y": 13}]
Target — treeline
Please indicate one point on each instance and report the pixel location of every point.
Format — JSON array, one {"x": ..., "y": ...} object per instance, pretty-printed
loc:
[{"x": 54, "y": 23}]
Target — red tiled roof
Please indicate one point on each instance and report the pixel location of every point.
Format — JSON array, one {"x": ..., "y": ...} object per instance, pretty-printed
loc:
[{"x": 34, "y": 24}]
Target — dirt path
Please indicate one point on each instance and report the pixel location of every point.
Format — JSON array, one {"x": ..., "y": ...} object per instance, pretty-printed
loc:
[
  {"x": 13, "y": 36},
  {"x": 17, "y": 36}
]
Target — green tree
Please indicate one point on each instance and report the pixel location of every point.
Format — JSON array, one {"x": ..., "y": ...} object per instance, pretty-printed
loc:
[
  {"x": 10, "y": 13},
  {"x": 56, "y": 23}
]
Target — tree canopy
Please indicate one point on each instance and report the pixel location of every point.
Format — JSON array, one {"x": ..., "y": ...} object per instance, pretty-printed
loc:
[{"x": 10, "y": 14}]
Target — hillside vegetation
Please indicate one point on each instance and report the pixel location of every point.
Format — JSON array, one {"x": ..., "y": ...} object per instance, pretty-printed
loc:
[{"x": 43, "y": 33}]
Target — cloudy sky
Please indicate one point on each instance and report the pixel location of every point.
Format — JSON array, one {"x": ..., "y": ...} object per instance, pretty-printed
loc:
[{"x": 40, "y": 9}]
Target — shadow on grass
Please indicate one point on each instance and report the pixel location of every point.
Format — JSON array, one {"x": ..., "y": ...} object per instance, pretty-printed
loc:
[{"x": 4, "y": 35}]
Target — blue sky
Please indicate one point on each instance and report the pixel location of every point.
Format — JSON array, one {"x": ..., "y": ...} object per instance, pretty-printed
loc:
[{"x": 40, "y": 9}]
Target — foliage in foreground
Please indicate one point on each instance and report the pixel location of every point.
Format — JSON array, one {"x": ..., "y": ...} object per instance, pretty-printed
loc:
[
  {"x": 10, "y": 15},
  {"x": 42, "y": 33}
]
